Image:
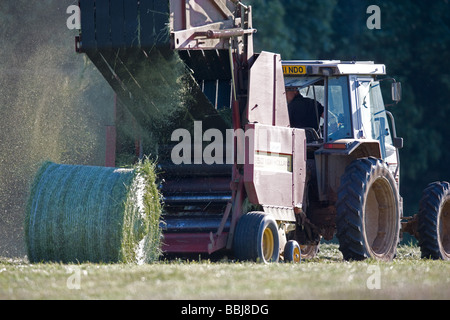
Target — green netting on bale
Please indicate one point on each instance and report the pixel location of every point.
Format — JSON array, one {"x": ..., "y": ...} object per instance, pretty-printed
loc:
[{"x": 94, "y": 214}]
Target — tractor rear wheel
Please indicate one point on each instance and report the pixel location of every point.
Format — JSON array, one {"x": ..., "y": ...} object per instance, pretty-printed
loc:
[
  {"x": 368, "y": 211},
  {"x": 434, "y": 221},
  {"x": 256, "y": 238}
]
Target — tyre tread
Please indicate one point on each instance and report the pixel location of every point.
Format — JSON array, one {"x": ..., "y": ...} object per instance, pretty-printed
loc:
[{"x": 430, "y": 203}]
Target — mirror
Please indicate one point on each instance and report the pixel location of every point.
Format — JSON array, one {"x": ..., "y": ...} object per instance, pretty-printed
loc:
[
  {"x": 397, "y": 91},
  {"x": 398, "y": 142}
]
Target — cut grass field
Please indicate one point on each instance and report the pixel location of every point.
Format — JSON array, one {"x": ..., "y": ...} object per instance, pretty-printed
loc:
[{"x": 325, "y": 277}]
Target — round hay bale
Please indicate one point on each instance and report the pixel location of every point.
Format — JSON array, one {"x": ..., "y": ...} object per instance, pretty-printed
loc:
[{"x": 94, "y": 214}]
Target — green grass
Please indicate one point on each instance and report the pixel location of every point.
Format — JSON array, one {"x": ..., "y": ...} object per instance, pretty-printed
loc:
[{"x": 326, "y": 277}]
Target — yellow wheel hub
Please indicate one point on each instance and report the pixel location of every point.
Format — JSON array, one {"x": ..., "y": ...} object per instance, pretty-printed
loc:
[
  {"x": 297, "y": 255},
  {"x": 267, "y": 244}
]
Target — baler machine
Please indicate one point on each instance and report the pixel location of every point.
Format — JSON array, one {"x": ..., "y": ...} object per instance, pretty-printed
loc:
[{"x": 249, "y": 202}]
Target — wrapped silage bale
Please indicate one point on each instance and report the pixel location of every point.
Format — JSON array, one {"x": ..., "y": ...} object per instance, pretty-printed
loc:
[{"x": 94, "y": 214}]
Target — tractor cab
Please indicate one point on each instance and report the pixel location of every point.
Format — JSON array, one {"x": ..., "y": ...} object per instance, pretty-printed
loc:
[
  {"x": 354, "y": 118},
  {"x": 350, "y": 94}
]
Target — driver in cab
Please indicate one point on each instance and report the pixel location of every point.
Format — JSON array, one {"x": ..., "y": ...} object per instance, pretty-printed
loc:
[{"x": 303, "y": 112}]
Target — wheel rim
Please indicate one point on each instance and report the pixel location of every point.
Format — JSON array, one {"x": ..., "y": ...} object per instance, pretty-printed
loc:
[
  {"x": 296, "y": 255},
  {"x": 444, "y": 228},
  {"x": 267, "y": 244},
  {"x": 380, "y": 219}
]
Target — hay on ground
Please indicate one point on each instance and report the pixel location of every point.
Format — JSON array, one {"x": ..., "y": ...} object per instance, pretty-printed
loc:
[{"x": 94, "y": 214}]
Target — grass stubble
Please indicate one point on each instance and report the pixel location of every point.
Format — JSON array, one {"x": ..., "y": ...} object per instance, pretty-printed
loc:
[{"x": 325, "y": 277}]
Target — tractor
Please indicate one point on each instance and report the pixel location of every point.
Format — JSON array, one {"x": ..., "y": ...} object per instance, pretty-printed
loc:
[
  {"x": 284, "y": 185},
  {"x": 352, "y": 184}
]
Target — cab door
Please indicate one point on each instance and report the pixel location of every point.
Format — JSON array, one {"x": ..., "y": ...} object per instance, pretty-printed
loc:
[{"x": 373, "y": 120}]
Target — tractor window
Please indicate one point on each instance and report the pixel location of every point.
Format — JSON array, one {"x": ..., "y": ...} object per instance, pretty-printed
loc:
[
  {"x": 306, "y": 101},
  {"x": 374, "y": 120},
  {"x": 338, "y": 115}
]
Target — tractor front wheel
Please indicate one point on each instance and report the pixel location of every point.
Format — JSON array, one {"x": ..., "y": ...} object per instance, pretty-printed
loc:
[
  {"x": 434, "y": 221},
  {"x": 368, "y": 211}
]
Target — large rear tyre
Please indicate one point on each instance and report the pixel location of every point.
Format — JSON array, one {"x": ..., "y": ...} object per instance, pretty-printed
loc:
[
  {"x": 434, "y": 221},
  {"x": 368, "y": 211},
  {"x": 256, "y": 238}
]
